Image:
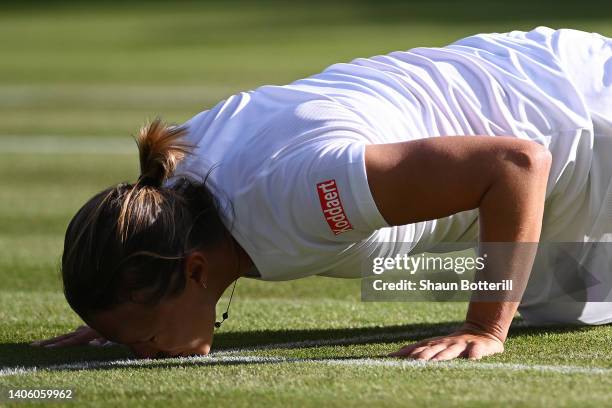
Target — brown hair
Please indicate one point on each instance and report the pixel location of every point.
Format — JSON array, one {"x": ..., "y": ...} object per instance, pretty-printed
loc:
[{"x": 133, "y": 237}]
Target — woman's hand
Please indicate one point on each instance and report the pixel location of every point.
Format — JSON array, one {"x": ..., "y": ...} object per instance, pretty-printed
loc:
[
  {"x": 83, "y": 335},
  {"x": 468, "y": 344}
]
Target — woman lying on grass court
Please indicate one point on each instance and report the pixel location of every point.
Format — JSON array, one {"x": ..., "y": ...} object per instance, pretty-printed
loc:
[{"x": 502, "y": 137}]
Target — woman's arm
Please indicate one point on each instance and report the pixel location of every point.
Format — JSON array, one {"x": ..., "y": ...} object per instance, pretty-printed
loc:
[{"x": 504, "y": 177}]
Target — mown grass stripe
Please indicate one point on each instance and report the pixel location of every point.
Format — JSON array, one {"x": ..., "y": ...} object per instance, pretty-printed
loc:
[
  {"x": 367, "y": 362},
  {"x": 48, "y": 144}
]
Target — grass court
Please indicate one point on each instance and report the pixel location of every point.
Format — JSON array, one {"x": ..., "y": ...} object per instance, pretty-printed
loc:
[{"x": 77, "y": 80}]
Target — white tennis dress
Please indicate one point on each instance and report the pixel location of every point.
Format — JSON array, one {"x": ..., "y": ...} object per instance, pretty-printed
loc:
[{"x": 290, "y": 158}]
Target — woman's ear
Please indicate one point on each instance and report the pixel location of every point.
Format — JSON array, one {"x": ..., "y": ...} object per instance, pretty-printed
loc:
[{"x": 197, "y": 269}]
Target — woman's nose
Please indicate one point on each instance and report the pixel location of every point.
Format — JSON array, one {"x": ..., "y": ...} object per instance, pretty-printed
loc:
[
  {"x": 202, "y": 350},
  {"x": 148, "y": 351}
]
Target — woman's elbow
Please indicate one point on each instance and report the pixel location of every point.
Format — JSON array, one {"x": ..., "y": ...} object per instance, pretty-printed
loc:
[{"x": 529, "y": 157}]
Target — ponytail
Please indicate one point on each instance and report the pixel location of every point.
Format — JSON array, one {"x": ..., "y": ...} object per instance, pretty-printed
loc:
[
  {"x": 133, "y": 237},
  {"x": 160, "y": 149}
]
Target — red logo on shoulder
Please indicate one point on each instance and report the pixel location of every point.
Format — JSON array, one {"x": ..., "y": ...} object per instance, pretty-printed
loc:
[{"x": 332, "y": 207}]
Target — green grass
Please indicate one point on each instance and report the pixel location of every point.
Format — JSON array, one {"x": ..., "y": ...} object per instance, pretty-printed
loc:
[{"x": 101, "y": 70}]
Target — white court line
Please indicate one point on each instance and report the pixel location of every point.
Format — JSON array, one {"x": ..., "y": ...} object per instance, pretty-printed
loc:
[
  {"x": 67, "y": 145},
  {"x": 228, "y": 355},
  {"x": 367, "y": 362}
]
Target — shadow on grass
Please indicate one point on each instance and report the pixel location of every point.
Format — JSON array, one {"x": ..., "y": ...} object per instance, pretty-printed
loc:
[{"x": 13, "y": 355}]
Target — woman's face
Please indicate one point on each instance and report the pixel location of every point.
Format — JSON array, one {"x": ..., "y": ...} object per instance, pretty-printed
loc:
[
  {"x": 182, "y": 325},
  {"x": 178, "y": 326}
]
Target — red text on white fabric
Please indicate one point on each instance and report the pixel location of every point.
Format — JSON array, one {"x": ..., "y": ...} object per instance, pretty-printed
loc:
[{"x": 331, "y": 205}]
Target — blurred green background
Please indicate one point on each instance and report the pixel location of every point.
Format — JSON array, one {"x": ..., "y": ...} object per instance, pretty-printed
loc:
[{"x": 102, "y": 68}]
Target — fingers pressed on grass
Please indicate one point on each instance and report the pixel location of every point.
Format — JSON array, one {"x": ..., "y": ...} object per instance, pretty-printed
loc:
[
  {"x": 45, "y": 342},
  {"x": 62, "y": 343},
  {"x": 453, "y": 351},
  {"x": 75, "y": 339},
  {"x": 429, "y": 351},
  {"x": 410, "y": 348},
  {"x": 404, "y": 351},
  {"x": 417, "y": 350}
]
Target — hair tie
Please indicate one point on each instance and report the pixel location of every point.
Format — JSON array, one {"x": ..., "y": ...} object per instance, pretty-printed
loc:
[{"x": 146, "y": 180}]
